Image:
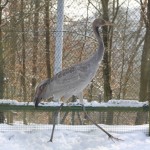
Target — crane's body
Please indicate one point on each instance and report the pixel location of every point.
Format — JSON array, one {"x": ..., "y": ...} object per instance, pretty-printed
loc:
[{"x": 73, "y": 80}]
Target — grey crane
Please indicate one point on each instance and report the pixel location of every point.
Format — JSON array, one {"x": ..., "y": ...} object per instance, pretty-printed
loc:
[{"x": 73, "y": 80}]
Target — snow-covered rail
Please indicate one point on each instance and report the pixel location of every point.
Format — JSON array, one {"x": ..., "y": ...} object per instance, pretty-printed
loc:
[{"x": 112, "y": 105}]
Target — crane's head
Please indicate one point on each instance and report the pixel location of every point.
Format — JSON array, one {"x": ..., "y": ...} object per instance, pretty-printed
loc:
[
  {"x": 101, "y": 22},
  {"x": 41, "y": 92}
]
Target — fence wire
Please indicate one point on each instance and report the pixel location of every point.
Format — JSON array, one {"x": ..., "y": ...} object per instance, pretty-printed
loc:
[
  {"x": 121, "y": 122},
  {"x": 26, "y": 37},
  {"x": 28, "y": 42}
]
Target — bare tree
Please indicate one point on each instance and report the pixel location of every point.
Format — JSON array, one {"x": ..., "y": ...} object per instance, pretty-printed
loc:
[
  {"x": 106, "y": 60},
  {"x": 2, "y": 118},
  {"x": 145, "y": 64},
  {"x": 35, "y": 44},
  {"x": 47, "y": 36},
  {"x": 23, "y": 70}
]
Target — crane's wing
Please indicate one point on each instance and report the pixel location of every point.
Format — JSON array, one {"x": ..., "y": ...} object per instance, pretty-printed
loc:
[{"x": 71, "y": 80}]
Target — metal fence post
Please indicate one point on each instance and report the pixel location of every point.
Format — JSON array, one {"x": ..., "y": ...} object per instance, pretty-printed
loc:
[
  {"x": 59, "y": 37},
  {"x": 59, "y": 41}
]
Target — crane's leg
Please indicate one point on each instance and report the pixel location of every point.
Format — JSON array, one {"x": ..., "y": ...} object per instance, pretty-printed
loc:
[
  {"x": 54, "y": 121},
  {"x": 89, "y": 118},
  {"x": 80, "y": 95}
]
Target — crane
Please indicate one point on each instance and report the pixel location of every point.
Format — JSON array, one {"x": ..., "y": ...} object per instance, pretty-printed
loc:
[{"x": 73, "y": 80}]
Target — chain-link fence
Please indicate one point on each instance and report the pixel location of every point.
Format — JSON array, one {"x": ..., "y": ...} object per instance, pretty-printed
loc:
[
  {"x": 28, "y": 30},
  {"x": 28, "y": 36},
  {"x": 112, "y": 119}
]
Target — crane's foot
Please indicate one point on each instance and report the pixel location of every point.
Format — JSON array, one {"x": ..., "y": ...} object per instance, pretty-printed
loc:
[
  {"x": 114, "y": 138},
  {"x": 91, "y": 120}
]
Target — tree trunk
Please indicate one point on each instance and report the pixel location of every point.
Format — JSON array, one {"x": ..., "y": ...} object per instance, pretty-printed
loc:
[
  {"x": 47, "y": 35},
  {"x": 106, "y": 61},
  {"x": 13, "y": 49},
  {"x": 47, "y": 46},
  {"x": 145, "y": 68},
  {"x": 1, "y": 59},
  {"x": 23, "y": 71},
  {"x": 2, "y": 118},
  {"x": 35, "y": 44}
]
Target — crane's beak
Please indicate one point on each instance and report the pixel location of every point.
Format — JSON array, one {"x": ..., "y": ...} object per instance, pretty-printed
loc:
[
  {"x": 36, "y": 102},
  {"x": 37, "y": 96}
]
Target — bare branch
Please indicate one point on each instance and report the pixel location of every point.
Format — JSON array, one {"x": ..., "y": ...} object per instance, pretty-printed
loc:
[
  {"x": 2, "y": 6},
  {"x": 143, "y": 11},
  {"x": 94, "y": 6}
]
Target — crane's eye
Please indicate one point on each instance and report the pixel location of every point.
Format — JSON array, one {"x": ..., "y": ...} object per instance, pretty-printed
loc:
[{"x": 43, "y": 87}]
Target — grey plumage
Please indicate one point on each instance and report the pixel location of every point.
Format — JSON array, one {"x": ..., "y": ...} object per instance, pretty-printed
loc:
[{"x": 73, "y": 80}]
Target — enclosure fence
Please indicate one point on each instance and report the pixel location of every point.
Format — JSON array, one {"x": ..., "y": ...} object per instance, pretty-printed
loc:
[
  {"x": 29, "y": 45},
  {"x": 28, "y": 31},
  {"x": 117, "y": 119}
]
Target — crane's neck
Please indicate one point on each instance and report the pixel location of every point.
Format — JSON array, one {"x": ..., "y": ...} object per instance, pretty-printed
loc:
[{"x": 100, "y": 51}]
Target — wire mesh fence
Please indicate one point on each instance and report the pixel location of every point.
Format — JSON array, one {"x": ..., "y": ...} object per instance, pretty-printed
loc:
[
  {"x": 121, "y": 121},
  {"x": 29, "y": 45},
  {"x": 28, "y": 31}
]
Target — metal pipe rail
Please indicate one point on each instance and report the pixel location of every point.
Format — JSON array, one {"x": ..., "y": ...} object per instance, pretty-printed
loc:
[
  {"x": 9, "y": 107},
  {"x": 29, "y": 107}
]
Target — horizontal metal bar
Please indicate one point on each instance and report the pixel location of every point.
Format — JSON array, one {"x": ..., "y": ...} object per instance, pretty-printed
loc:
[{"x": 8, "y": 107}]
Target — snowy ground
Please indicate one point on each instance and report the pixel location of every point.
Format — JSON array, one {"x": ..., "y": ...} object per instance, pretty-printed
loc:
[
  {"x": 71, "y": 139},
  {"x": 35, "y": 137}
]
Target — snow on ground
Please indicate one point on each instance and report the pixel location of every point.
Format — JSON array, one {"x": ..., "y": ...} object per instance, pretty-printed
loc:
[
  {"x": 35, "y": 137},
  {"x": 71, "y": 139}
]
